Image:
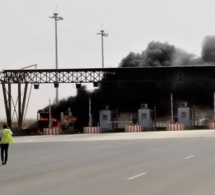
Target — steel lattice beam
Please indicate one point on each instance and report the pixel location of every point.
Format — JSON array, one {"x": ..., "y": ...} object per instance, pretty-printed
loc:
[
  {"x": 51, "y": 76},
  {"x": 118, "y": 74}
]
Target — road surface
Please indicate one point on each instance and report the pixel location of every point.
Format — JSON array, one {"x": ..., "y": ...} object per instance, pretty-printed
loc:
[{"x": 149, "y": 163}]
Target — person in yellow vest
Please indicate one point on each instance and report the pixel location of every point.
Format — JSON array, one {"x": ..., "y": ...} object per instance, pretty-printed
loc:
[{"x": 6, "y": 139}]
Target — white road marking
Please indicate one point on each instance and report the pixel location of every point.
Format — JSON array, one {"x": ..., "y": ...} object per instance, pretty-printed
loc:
[
  {"x": 136, "y": 176},
  {"x": 188, "y": 157}
]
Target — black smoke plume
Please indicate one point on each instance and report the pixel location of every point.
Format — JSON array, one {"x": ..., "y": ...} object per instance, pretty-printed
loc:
[
  {"x": 127, "y": 96},
  {"x": 208, "y": 49},
  {"x": 160, "y": 54}
]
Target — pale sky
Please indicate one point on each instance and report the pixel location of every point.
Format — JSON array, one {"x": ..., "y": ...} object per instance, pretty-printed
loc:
[{"x": 27, "y": 34}]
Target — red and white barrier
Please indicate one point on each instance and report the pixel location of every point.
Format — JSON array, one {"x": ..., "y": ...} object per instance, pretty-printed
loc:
[
  {"x": 51, "y": 131},
  {"x": 92, "y": 130},
  {"x": 175, "y": 127},
  {"x": 212, "y": 125},
  {"x": 133, "y": 128}
]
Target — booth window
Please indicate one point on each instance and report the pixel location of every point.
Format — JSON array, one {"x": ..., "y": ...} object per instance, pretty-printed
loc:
[
  {"x": 183, "y": 114},
  {"x": 104, "y": 117},
  {"x": 143, "y": 116}
]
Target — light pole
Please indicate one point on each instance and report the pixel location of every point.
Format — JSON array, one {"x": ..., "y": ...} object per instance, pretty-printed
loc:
[
  {"x": 103, "y": 34},
  {"x": 56, "y": 18},
  {"x": 90, "y": 113}
]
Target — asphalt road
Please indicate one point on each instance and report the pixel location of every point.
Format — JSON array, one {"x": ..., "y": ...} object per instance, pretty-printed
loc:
[{"x": 171, "y": 165}]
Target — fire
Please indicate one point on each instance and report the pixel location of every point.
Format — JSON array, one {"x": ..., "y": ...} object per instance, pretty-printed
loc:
[{"x": 46, "y": 119}]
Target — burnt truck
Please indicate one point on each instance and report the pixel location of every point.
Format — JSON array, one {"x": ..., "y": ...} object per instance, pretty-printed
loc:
[{"x": 63, "y": 120}]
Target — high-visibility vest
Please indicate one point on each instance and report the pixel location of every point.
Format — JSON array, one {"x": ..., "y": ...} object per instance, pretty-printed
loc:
[{"x": 7, "y": 138}]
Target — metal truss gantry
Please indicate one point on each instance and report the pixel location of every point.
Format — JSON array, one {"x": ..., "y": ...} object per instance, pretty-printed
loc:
[{"x": 46, "y": 76}]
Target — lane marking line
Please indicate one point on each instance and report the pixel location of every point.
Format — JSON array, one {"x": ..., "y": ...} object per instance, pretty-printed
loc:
[
  {"x": 188, "y": 157},
  {"x": 136, "y": 176}
]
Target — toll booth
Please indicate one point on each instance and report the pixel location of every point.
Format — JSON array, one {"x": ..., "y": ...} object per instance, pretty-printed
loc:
[
  {"x": 184, "y": 114},
  {"x": 105, "y": 118},
  {"x": 67, "y": 121},
  {"x": 145, "y": 116}
]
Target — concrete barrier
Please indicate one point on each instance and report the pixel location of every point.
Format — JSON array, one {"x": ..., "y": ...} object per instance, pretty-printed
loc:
[
  {"x": 92, "y": 130},
  {"x": 51, "y": 131},
  {"x": 175, "y": 127},
  {"x": 212, "y": 125},
  {"x": 133, "y": 128}
]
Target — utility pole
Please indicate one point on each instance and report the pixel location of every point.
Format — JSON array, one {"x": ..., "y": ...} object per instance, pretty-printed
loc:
[
  {"x": 103, "y": 34},
  {"x": 90, "y": 114},
  {"x": 50, "y": 115},
  {"x": 56, "y": 18},
  {"x": 171, "y": 99}
]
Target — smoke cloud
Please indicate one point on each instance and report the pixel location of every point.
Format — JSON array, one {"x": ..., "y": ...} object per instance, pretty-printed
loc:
[
  {"x": 208, "y": 49},
  {"x": 161, "y": 54},
  {"x": 127, "y": 96}
]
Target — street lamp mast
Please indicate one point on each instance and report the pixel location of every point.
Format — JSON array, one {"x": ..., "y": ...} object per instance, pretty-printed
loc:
[
  {"x": 56, "y": 18},
  {"x": 103, "y": 34}
]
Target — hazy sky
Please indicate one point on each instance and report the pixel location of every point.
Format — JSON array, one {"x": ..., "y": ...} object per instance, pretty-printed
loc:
[{"x": 27, "y": 34}]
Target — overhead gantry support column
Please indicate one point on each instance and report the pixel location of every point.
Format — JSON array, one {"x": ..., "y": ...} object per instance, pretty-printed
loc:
[
  {"x": 21, "y": 104},
  {"x": 7, "y": 102}
]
